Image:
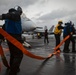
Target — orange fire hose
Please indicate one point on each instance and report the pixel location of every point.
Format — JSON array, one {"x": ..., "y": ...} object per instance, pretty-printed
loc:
[
  {"x": 19, "y": 45},
  {"x": 25, "y": 51}
]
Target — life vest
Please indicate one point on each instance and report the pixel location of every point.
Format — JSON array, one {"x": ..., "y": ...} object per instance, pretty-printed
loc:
[{"x": 57, "y": 31}]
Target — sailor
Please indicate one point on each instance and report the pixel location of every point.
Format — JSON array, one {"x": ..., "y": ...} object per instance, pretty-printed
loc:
[
  {"x": 58, "y": 31},
  {"x": 14, "y": 28},
  {"x": 46, "y": 36},
  {"x": 69, "y": 30}
]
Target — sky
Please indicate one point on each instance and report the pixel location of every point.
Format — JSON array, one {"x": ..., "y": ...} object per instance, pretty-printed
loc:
[{"x": 43, "y": 12}]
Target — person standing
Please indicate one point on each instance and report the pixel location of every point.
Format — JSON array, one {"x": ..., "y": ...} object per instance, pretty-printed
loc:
[
  {"x": 46, "y": 37},
  {"x": 14, "y": 28},
  {"x": 57, "y": 32},
  {"x": 68, "y": 30},
  {"x": 72, "y": 39}
]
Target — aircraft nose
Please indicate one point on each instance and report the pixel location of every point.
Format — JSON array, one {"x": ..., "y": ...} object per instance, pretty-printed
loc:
[
  {"x": 27, "y": 24},
  {"x": 33, "y": 27}
]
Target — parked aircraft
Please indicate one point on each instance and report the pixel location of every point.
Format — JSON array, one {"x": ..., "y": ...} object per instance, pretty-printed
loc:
[
  {"x": 28, "y": 25},
  {"x": 50, "y": 31}
]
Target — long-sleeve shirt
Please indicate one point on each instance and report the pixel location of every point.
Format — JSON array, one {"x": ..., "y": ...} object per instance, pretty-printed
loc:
[{"x": 12, "y": 22}]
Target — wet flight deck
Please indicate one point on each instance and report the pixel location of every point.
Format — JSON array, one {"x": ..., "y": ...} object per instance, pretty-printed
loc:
[{"x": 63, "y": 65}]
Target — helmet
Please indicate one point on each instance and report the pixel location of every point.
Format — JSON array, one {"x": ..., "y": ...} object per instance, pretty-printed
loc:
[
  {"x": 19, "y": 9},
  {"x": 11, "y": 10},
  {"x": 60, "y": 21}
]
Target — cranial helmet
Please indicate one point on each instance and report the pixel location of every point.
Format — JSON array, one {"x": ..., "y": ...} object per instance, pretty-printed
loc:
[
  {"x": 11, "y": 10},
  {"x": 19, "y": 9},
  {"x": 60, "y": 21}
]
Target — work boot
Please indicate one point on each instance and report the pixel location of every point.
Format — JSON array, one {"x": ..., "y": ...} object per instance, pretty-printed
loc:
[
  {"x": 18, "y": 70},
  {"x": 10, "y": 73},
  {"x": 73, "y": 51},
  {"x": 14, "y": 72}
]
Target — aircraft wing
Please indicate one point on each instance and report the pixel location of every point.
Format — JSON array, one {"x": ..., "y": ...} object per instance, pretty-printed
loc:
[{"x": 50, "y": 31}]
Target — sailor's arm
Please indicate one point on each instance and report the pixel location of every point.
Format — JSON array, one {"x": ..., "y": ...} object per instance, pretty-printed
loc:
[
  {"x": 60, "y": 27},
  {"x": 4, "y": 16}
]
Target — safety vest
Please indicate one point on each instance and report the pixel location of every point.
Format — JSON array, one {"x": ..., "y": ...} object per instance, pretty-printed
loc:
[{"x": 57, "y": 31}]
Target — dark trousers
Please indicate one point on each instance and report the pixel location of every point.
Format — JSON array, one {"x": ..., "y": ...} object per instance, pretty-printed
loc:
[
  {"x": 66, "y": 45},
  {"x": 73, "y": 43},
  {"x": 67, "y": 42},
  {"x": 46, "y": 40},
  {"x": 16, "y": 56},
  {"x": 57, "y": 37}
]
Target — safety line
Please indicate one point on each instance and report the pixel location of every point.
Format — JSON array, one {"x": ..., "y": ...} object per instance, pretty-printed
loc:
[
  {"x": 24, "y": 50},
  {"x": 19, "y": 45}
]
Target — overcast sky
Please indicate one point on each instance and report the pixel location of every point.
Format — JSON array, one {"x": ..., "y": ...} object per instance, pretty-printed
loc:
[{"x": 43, "y": 12}]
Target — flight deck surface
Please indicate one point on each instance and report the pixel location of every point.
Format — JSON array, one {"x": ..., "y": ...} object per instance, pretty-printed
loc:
[{"x": 65, "y": 64}]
